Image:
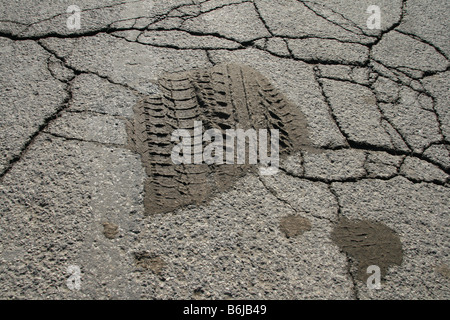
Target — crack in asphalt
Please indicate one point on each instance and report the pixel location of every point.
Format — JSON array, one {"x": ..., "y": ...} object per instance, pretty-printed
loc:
[
  {"x": 79, "y": 71},
  {"x": 186, "y": 17},
  {"x": 261, "y": 18},
  {"x": 61, "y": 136},
  {"x": 330, "y": 109},
  {"x": 305, "y": 3},
  {"x": 64, "y": 13},
  {"x": 417, "y": 38},
  {"x": 348, "y": 258},
  {"x": 392, "y": 27},
  {"x": 274, "y": 193},
  {"x": 365, "y": 177},
  {"x": 243, "y": 46},
  {"x": 43, "y": 127}
]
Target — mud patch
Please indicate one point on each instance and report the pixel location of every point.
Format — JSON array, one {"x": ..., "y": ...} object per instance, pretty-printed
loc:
[
  {"x": 369, "y": 243},
  {"x": 110, "y": 230},
  {"x": 443, "y": 270},
  {"x": 198, "y": 294},
  {"x": 227, "y": 96},
  {"x": 148, "y": 261},
  {"x": 371, "y": 100},
  {"x": 293, "y": 226}
]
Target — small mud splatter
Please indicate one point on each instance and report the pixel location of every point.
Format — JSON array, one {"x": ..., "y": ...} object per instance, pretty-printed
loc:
[
  {"x": 149, "y": 261},
  {"x": 370, "y": 243},
  {"x": 371, "y": 100},
  {"x": 443, "y": 270},
  {"x": 110, "y": 230},
  {"x": 198, "y": 294},
  {"x": 293, "y": 226}
]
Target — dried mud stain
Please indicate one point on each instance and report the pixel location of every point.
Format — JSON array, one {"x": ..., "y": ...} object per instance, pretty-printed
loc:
[
  {"x": 227, "y": 96},
  {"x": 370, "y": 243},
  {"x": 110, "y": 230},
  {"x": 149, "y": 261},
  {"x": 443, "y": 270},
  {"x": 293, "y": 226}
]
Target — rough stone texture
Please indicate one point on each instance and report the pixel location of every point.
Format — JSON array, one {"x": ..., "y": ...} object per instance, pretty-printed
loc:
[
  {"x": 298, "y": 20},
  {"x": 240, "y": 22},
  {"x": 400, "y": 50},
  {"x": 53, "y": 205},
  {"x": 438, "y": 85},
  {"x": 293, "y": 164},
  {"x": 427, "y": 20},
  {"x": 328, "y": 50},
  {"x": 308, "y": 198},
  {"x": 96, "y": 128},
  {"x": 28, "y": 19},
  {"x": 334, "y": 165},
  {"x": 439, "y": 154},
  {"x": 92, "y": 93},
  {"x": 335, "y": 71},
  {"x": 210, "y": 5},
  {"x": 29, "y": 95},
  {"x": 382, "y": 165},
  {"x": 72, "y": 186},
  {"x": 418, "y": 170},
  {"x": 58, "y": 70},
  {"x": 397, "y": 140},
  {"x": 352, "y": 15},
  {"x": 135, "y": 65},
  {"x": 386, "y": 90},
  {"x": 403, "y": 115},
  {"x": 356, "y": 112},
  {"x": 278, "y": 46}
]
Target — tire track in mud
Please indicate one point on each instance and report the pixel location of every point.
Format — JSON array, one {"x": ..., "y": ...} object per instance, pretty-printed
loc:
[{"x": 226, "y": 96}]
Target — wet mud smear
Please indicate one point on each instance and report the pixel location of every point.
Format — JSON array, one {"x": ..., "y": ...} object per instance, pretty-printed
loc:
[
  {"x": 226, "y": 96},
  {"x": 293, "y": 226},
  {"x": 370, "y": 243}
]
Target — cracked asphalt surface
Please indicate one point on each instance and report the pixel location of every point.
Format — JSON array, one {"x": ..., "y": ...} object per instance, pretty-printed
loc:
[{"x": 72, "y": 191}]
